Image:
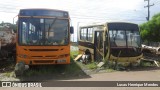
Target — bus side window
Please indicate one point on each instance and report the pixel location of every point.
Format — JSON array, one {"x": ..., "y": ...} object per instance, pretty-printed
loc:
[
  {"x": 83, "y": 33},
  {"x": 24, "y": 28},
  {"x": 90, "y": 34}
]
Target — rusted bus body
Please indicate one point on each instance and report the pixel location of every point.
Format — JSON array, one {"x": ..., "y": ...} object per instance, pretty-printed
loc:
[
  {"x": 43, "y": 37},
  {"x": 114, "y": 41}
]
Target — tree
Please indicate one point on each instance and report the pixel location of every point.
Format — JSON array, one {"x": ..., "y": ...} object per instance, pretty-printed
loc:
[
  {"x": 150, "y": 31},
  {"x": 14, "y": 27}
]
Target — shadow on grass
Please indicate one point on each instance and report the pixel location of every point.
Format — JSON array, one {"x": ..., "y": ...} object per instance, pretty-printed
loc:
[{"x": 54, "y": 72}]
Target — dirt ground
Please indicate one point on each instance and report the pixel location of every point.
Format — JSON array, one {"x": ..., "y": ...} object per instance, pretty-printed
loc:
[
  {"x": 143, "y": 74},
  {"x": 147, "y": 73}
]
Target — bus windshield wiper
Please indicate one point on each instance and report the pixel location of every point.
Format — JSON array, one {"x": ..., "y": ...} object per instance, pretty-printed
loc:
[{"x": 52, "y": 23}]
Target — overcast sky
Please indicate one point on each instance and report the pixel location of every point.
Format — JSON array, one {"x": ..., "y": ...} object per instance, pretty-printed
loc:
[{"x": 85, "y": 11}]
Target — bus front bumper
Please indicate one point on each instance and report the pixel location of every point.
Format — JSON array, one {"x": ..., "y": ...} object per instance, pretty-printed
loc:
[{"x": 44, "y": 61}]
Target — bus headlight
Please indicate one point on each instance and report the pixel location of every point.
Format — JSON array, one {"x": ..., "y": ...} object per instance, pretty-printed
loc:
[{"x": 22, "y": 56}]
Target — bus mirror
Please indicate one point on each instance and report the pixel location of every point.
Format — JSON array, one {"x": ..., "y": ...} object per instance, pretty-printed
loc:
[{"x": 71, "y": 30}]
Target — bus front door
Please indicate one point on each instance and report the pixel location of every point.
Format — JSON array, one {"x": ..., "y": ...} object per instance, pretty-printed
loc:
[{"x": 98, "y": 49}]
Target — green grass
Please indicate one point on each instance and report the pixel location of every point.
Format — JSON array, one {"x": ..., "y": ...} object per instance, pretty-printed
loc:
[
  {"x": 8, "y": 74},
  {"x": 32, "y": 72},
  {"x": 74, "y": 54},
  {"x": 71, "y": 69},
  {"x": 91, "y": 65},
  {"x": 110, "y": 70}
]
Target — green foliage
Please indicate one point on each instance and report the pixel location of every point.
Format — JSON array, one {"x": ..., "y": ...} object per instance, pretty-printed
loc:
[
  {"x": 150, "y": 31},
  {"x": 14, "y": 27},
  {"x": 8, "y": 74},
  {"x": 92, "y": 65}
]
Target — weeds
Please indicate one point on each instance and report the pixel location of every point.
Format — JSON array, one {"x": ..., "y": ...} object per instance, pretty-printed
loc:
[
  {"x": 8, "y": 74},
  {"x": 92, "y": 65},
  {"x": 66, "y": 70},
  {"x": 110, "y": 70}
]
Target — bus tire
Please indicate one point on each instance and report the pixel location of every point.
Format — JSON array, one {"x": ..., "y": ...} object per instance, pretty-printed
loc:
[{"x": 19, "y": 68}]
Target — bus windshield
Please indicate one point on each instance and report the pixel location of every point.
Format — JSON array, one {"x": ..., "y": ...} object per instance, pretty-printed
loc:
[
  {"x": 130, "y": 38},
  {"x": 43, "y": 31}
]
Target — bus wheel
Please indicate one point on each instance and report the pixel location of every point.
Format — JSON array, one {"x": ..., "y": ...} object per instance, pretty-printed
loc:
[{"x": 19, "y": 68}]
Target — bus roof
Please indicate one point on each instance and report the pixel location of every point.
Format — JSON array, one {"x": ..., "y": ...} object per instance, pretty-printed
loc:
[
  {"x": 122, "y": 25},
  {"x": 109, "y": 23},
  {"x": 43, "y": 12},
  {"x": 92, "y": 25}
]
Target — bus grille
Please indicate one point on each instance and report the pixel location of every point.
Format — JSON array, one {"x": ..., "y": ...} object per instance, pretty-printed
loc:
[
  {"x": 53, "y": 56},
  {"x": 43, "y": 61},
  {"x": 43, "y": 49}
]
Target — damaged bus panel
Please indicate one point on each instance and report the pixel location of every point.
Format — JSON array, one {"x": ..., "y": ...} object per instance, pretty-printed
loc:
[{"x": 113, "y": 41}]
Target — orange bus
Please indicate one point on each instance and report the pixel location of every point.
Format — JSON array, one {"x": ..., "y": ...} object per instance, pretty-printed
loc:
[{"x": 43, "y": 37}]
